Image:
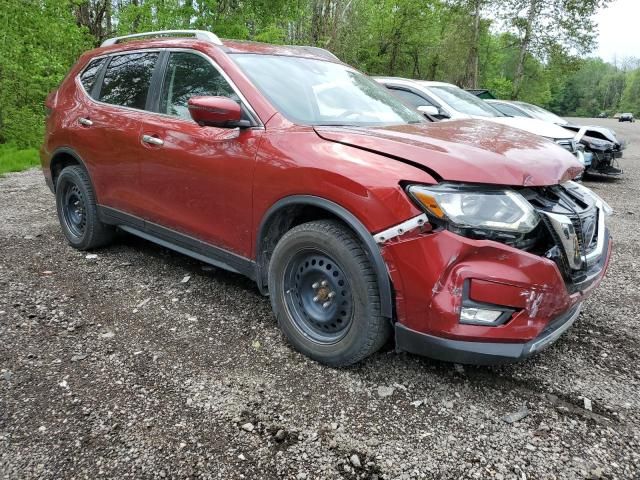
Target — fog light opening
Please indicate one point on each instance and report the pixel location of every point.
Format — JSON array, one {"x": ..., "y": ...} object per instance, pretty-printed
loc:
[{"x": 479, "y": 315}]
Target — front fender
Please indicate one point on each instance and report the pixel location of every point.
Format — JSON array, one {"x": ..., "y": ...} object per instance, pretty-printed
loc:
[{"x": 363, "y": 189}]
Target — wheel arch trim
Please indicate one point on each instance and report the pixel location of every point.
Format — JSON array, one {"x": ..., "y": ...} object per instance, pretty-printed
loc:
[
  {"x": 364, "y": 235},
  {"x": 71, "y": 152}
]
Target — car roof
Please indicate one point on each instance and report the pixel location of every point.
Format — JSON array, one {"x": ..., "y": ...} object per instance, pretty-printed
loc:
[
  {"x": 520, "y": 102},
  {"x": 431, "y": 83},
  {"x": 227, "y": 46},
  {"x": 424, "y": 83},
  {"x": 394, "y": 79},
  {"x": 247, "y": 46}
]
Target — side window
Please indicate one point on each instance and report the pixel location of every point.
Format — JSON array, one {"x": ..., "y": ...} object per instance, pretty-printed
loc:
[
  {"x": 508, "y": 110},
  {"x": 126, "y": 81},
  {"x": 189, "y": 75},
  {"x": 89, "y": 76},
  {"x": 411, "y": 98}
]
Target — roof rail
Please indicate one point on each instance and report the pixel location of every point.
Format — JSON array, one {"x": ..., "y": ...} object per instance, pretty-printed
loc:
[
  {"x": 321, "y": 52},
  {"x": 198, "y": 34}
]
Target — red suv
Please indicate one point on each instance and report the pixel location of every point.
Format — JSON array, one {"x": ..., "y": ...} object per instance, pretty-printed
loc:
[{"x": 465, "y": 240}]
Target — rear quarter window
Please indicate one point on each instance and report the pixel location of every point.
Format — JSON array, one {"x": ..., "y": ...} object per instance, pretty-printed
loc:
[
  {"x": 90, "y": 74},
  {"x": 127, "y": 78}
]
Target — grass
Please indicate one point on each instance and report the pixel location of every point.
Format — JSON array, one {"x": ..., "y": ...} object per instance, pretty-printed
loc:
[{"x": 14, "y": 159}]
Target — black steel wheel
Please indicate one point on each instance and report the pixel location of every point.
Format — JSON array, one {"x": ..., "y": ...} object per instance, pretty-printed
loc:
[
  {"x": 318, "y": 296},
  {"x": 78, "y": 210},
  {"x": 73, "y": 209},
  {"x": 324, "y": 293}
]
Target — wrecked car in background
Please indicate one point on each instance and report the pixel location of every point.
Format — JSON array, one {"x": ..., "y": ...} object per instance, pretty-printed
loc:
[
  {"x": 626, "y": 117},
  {"x": 601, "y": 145},
  {"x": 445, "y": 101},
  {"x": 358, "y": 217}
]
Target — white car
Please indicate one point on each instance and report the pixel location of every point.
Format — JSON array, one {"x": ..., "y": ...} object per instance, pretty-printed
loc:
[
  {"x": 601, "y": 145},
  {"x": 446, "y": 101}
]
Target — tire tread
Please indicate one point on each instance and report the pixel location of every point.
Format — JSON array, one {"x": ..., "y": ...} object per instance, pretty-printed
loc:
[
  {"x": 98, "y": 234},
  {"x": 379, "y": 326}
]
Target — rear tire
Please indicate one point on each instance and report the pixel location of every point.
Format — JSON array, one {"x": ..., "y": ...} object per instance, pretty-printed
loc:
[
  {"x": 78, "y": 211},
  {"x": 324, "y": 294}
]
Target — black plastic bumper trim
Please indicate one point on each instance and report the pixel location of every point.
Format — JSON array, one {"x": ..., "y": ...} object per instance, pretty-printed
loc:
[{"x": 481, "y": 353}]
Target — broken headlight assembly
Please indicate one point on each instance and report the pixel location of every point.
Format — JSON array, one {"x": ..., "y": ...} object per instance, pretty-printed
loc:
[
  {"x": 492, "y": 214},
  {"x": 597, "y": 144}
]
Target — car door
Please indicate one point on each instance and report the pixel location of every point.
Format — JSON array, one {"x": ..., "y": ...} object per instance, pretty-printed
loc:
[
  {"x": 108, "y": 127},
  {"x": 197, "y": 180}
]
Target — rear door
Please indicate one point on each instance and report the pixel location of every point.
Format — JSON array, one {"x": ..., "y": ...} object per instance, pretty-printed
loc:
[
  {"x": 108, "y": 129},
  {"x": 197, "y": 180}
]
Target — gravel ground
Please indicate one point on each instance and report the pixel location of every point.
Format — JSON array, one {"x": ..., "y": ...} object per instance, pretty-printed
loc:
[{"x": 141, "y": 363}]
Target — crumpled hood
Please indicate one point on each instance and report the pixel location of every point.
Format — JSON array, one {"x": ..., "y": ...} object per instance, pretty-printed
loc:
[
  {"x": 594, "y": 131},
  {"x": 535, "y": 126},
  {"x": 471, "y": 151}
]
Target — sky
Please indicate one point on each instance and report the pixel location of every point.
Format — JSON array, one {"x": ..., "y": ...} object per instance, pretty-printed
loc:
[{"x": 618, "y": 26}]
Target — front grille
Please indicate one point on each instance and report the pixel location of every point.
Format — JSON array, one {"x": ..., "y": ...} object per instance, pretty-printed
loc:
[
  {"x": 586, "y": 227},
  {"x": 583, "y": 213}
]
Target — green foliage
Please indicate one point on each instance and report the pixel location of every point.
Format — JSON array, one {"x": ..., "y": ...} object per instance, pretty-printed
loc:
[
  {"x": 450, "y": 40},
  {"x": 501, "y": 87},
  {"x": 39, "y": 42},
  {"x": 15, "y": 159},
  {"x": 596, "y": 86},
  {"x": 631, "y": 96}
]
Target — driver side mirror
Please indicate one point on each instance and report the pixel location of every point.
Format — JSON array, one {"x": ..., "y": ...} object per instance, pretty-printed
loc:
[
  {"x": 219, "y": 112},
  {"x": 429, "y": 110},
  {"x": 433, "y": 111}
]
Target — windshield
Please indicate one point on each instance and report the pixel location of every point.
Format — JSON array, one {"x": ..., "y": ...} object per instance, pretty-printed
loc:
[
  {"x": 510, "y": 110},
  {"x": 315, "y": 92},
  {"x": 541, "y": 113},
  {"x": 464, "y": 102}
]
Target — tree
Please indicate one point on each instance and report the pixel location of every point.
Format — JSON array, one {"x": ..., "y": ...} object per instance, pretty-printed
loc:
[
  {"x": 630, "y": 101},
  {"x": 95, "y": 16},
  {"x": 39, "y": 41},
  {"x": 540, "y": 24},
  {"x": 535, "y": 57},
  {"x": 474, "y": 9}
]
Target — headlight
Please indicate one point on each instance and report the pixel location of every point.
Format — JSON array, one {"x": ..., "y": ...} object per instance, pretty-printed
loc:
[
  {"x": 590, "y": 193},
  {"x": 501, "y": 210}
]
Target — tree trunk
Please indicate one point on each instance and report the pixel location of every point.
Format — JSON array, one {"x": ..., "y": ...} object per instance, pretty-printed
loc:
[
  {"x": 109, "y": 30},
  {"x": 471, "y": 80},
  {"x": 433, "y": 67},
  {"x": 415, "y": 55},
  {"x": 524, "y": 48}
]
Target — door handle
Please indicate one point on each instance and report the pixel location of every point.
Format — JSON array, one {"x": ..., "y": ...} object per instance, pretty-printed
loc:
[
  {"x": 152, "y": 140},
  {"x": 85, "y": 121}
]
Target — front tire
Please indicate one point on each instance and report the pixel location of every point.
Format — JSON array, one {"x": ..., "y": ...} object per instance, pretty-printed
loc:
[
  {"x": 78, "y": 211},
  {"x": 324, "y": 293}
]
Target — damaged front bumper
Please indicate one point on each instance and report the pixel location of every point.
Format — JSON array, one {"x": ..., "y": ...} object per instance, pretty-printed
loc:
[
  {"x": 436, "y": 274},
  {"x": 603, "y": 161},
  {"x": 482, "y": 353}
]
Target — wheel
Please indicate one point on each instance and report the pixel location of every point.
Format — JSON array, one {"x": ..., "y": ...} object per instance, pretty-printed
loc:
[
  {"x": 77, "y": 210},
  {"x": 324, "y": 294}
]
